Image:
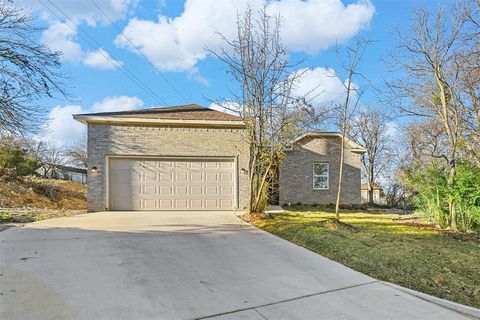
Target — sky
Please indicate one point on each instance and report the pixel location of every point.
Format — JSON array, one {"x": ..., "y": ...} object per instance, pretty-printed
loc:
[{"x": 132, "y": 54}]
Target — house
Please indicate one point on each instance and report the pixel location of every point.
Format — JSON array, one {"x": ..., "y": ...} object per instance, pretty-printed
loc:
[
  {"x": 194, "y": 158},
  {"x": 175, "y": 158},
  {"x": 309, "y": 173},
  {"x": 57, "y": 171},
  {"x": 378, "y": 194}
]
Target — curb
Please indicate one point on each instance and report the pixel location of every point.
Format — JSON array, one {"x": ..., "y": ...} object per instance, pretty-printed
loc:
[{"x": 471, "y": 312}]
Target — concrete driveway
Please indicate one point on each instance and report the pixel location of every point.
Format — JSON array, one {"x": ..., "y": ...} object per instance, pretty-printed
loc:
[{"x": 158, "y": 265}]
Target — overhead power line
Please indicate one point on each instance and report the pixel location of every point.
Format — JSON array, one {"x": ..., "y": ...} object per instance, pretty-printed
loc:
[
  {"x": 96, "y": 45},
  {"x": 139, "y": 51}
]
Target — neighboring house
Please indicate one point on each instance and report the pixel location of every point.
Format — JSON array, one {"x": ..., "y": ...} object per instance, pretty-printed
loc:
[
  {"x": 378, "y": 195},
  {"x": 56, "y": 171},
  {"x": 194, "y": 158},
  {"x": 310, "y": 170}
]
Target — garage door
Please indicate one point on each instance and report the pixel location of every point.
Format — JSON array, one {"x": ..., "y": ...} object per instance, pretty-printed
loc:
[{"x": 164, "y": 184}]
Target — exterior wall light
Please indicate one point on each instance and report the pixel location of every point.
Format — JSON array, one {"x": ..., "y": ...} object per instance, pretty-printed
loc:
[
  {"x": 244, "y": 171},
  {"x": 94, "y": 169}
]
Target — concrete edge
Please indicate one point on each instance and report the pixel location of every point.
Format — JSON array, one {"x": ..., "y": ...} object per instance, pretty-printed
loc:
[
  {"x": 274, "y": 209},
  {"x": 471, "y": 312}
]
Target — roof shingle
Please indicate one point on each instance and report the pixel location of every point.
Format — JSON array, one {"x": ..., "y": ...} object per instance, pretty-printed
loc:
[{"x": 183, "y": 112}]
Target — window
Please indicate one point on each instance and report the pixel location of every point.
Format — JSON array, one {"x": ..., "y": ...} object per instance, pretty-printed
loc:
[{"x": 320, "y": 176}]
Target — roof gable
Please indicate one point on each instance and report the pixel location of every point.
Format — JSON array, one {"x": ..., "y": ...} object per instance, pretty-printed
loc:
[{"x": 350, "y": 144}]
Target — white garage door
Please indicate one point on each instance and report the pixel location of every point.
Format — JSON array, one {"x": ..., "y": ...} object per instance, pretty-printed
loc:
[{"x": 164, "y": 184}]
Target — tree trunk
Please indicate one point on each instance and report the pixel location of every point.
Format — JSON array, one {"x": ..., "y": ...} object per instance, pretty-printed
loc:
[
  {"x": 370, "y": 186},
  {"x": 261, "y": 185},
  {"x": 370, "y": 194},
  {"x": 451, "y": 205},
  {"x": 340, "y": 178}
]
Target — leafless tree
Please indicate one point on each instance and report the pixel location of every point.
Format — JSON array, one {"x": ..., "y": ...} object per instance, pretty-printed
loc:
[
  {"x": 428, "y": 87},
  {"x": 346, "y": 110},
  {"x": 28, "y": 72},
  {"x": 369, "y": 128},
  {"x": 258, "y": 62},
  {"x": 467, "y": 63},
  {"x": 77, "y": 153},
  {"x": 50, "y": 156}
]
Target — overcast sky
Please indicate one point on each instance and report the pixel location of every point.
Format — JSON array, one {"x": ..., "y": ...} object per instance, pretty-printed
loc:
[{"x": 130, "y": 54}]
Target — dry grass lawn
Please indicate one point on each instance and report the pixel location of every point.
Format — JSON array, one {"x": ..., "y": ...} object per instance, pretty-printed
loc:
[
  {"x": 28, "y": 199},
  {"x": 398, "y": 249}
]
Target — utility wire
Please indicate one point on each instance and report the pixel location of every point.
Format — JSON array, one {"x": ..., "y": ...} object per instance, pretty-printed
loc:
[
  {"x": 98, "y": 46},
  {"x": 139, "y": 51}
]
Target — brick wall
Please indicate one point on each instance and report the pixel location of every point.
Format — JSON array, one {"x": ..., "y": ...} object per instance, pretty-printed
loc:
[
  {"x": 296, "y": 173},
  {"x": 108, "y": 140}
]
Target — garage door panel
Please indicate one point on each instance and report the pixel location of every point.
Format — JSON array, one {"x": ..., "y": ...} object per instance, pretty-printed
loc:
[
  {"x": 181, "y": 190},
  {"x": 196, "y": 203},
  {"x": 226, "y": 176},
  {"x": 148, "y": 190},
  {"x": 211, "y": 190},
  {"x": 152, "y": 184},
  {"x": 196, "y": 176},
  {"x": 165, "y": 204},
  {"x": 226, "y": 203},
  {"x": 165, "y": 190},
  {"x": 181, "y": 176},
  {"x": 196, "y": 190},
  {"x": 149, "y": 203},
  {"x": 181, "y": 204},
  {"x": 211, "y": 204},
  {"x": 148, "y": 176},
  {"x": 226, "y": 164},
  {"x": 226, "y": 190},
  {"x": 211, "y": 176}
]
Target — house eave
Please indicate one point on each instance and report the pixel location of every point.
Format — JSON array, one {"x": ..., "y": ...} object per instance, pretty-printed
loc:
[{"x": 86, "y": 119}]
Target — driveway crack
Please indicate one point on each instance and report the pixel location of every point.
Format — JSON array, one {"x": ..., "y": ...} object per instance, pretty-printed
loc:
[
  {"x": 260, "y": 314},
  {"x": 283, "y": 301}
]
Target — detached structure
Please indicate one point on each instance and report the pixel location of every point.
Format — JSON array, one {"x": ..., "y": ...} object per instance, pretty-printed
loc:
[
  {"x": 378, "y": 194},
  {"x": 194, "y": 158},
  {"x": 57, "y": 171}
]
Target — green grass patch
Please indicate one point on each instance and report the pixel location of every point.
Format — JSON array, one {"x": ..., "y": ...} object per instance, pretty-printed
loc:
[{"x": 399, "y": 249}]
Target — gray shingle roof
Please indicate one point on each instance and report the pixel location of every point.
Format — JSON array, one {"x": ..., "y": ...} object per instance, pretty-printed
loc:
[{"x": 183, "y": 112}]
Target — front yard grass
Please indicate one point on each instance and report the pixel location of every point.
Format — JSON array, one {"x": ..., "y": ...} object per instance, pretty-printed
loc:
[{"x": 390, "y": 247}]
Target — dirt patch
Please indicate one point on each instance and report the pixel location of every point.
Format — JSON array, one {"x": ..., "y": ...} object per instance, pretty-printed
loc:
[
  {"x": 255, "y": 216},
  {"x": 465, "y": 237},
  {"x": 20, "y": 216},
  {"x": 334, "y": 224},
  {"x": 34, "y": 192}
]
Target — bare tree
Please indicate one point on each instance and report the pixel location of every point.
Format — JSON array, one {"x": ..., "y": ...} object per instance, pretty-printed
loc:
[
  {"x": 345, "y": 111},
  {"x": 258, "y": 63},
  {"x": 50, "y": 156},
  {"x": 369, "y": 128},
  {"x": 467, "y": 62},
  {"x": 429, "y": 86},
  {"x": 28, "y": 71},
  {"x": 77, "y": 153}
]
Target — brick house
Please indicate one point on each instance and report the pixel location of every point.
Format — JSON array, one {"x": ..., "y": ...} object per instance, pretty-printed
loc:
[
  {"x": 194, "y": 158},
  {"x": 309, "y": 172}
]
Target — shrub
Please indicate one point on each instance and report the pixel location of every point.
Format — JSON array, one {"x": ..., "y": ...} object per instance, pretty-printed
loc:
[
  {"x": 13, "y": 156},
  {"x": 432, "y": 193}
]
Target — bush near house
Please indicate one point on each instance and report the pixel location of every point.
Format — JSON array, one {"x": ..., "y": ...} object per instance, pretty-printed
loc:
[{"x": 402, "y": 249}]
